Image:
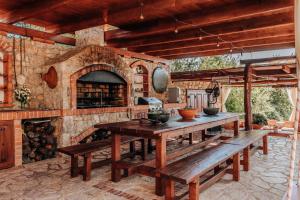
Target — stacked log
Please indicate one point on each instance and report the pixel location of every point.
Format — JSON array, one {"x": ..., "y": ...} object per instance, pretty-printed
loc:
[{"x": 39, "y": 141}]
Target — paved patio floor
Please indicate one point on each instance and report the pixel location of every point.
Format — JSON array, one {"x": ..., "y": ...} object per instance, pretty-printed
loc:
[{"x": 50, "y": 180}]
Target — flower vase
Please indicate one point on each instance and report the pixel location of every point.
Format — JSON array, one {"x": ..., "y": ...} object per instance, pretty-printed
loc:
[{"x": 23, "y": 105}]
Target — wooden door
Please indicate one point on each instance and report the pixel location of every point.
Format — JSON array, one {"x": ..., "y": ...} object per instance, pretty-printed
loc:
[
  {"x": 197, "y": 99},
  {"x": 7, "y": 153}
]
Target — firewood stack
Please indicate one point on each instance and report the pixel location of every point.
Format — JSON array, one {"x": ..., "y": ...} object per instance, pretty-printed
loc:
[{"x": 39, "y": 142}]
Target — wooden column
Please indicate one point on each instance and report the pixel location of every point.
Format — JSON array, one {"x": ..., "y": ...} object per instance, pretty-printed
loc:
[
  {"x": 161, "y": 161},
  {"x": 115, "y": 156},
  {"x": 247, "y": 97}
]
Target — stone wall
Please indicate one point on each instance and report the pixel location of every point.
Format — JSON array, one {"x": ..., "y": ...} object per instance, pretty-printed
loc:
[{"x": 36, "y": 54}]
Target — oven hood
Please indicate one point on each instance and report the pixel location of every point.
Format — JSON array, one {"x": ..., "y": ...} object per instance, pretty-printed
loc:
[{"x": 101, "y": 77}]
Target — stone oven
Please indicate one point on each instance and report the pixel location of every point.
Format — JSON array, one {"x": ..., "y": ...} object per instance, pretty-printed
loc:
[{"x": 101, "y": 88}]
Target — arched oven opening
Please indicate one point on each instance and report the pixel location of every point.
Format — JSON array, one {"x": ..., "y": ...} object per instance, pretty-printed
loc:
[{"x": 100, "y": 89}]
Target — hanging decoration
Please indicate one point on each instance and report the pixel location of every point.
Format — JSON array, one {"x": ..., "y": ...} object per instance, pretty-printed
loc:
[{"x": 51, "y": 77}]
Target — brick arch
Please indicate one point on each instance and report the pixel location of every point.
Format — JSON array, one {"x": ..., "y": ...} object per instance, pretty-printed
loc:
[{"x": 97, "y": 67}]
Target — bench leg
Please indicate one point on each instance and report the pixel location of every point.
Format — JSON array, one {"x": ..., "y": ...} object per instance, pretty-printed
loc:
[
  {"x": 74, "y": 166},
  {"x": 194, "y": 190},
  {"x": 87, "y": 167},
  {"x": 246, "y": 158},
  {"x": 191, "y": 137},
  {"x": 132, "y": 149},
  {"x": 265, "y": 144},
  {"x": 236, "y": 167},
  {"x": 169, "y": 191}
]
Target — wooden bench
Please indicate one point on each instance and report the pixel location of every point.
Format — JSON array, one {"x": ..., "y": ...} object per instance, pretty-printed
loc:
[
  {"x": 218, "y": 158},
  {"x": 245, "y": 139},
  {"x": 86, "y": 150}
]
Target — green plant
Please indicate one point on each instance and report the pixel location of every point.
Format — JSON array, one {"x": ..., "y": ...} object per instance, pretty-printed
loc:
[{"x": 259, "y": 119}]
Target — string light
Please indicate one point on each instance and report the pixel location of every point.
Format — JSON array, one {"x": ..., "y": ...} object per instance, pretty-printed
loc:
[
  {"x": 203, "y": 32},
  {"x": 176, "y": 30},
  {"x": 142, "y": 15}
]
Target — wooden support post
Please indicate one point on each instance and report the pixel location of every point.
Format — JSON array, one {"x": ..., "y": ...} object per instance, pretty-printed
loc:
[
  {"x": 87, "y": 168},
  {"x": 160, "y": 163},
  {"x": 74, "y": 166},
  {"x": 191, "y": 137},
  {"x": 246, "y": 158},
  {"x": 236, "y": 127},
  {"x": 247, "y": 97},
  {"x": 115, "y": 156},
  {"x": 194, "y": 190},
  {"x": 236, "y": 167},
  {"x": 170, "y": 190},
  {"x": 265, "y": 144}
]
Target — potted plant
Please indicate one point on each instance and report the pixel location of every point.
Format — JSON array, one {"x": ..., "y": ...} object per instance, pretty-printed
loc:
[
  {"x": 23, "y": 94},
  {"x": 258, "y": 121}
]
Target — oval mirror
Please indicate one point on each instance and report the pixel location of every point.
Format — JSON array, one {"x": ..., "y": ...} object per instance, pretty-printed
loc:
[{"x": 160, "y": 80}]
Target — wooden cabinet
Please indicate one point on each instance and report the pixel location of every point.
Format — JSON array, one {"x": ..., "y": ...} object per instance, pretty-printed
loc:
[{"x": 6, "y": 144}]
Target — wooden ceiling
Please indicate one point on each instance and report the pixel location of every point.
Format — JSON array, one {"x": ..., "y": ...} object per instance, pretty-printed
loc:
[
  {"x": 271, "y": 72},
  {"x": 242, "y": 24}
]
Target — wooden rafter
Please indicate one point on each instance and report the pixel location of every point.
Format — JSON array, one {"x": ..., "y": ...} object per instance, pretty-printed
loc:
[
  {"x": 234, "y": 12},
  {"x": 266, "y": 33},
  {"x": 32, "y": 10},
  {"x": 36, "y": 34},
  {"x": 239, "y": 44},
  {"x": 222, "y": 51}
]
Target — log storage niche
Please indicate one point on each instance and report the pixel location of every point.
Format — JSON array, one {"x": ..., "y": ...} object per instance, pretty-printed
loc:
[{"x": 39, "y": 141}]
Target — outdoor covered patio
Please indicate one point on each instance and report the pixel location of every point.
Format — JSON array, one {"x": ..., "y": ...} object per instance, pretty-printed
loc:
[{"x": 89, "y": 107}]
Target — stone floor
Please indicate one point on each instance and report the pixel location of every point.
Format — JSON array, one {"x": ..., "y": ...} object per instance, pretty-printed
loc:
[{"x": 50, "y": 180}]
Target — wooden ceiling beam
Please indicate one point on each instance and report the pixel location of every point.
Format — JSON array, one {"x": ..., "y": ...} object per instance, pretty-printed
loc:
[
  {"x": 31, "y": 10},
  {"x": 268, "y": 32},
  {"x": 224, "y": 51},
  {"x": 150, "y": 10},
  {"x": 191, "y": 34},
  {"x": 36, "y": 34},
  {"x": 227, "y": 45},
  {"x": 233, "y": 12}
]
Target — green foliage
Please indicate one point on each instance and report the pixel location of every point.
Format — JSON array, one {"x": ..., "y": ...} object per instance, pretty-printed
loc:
[
  {"x": 259, "y": 119},
  {"x": 271, "y": 102},
  {"x": 203, "y": 63}
]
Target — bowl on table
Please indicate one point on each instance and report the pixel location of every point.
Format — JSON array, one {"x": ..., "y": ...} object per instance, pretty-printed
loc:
[
  {"x": 158, "y": 117},
  {"x": 188, "y": 114},
  {"x": 211, "y": 111}
]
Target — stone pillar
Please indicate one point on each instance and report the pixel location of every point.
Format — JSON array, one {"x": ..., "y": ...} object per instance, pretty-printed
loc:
[{"x": 90, "y": 36}]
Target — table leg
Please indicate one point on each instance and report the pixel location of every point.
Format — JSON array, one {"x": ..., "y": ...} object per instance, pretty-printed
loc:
[
  {"x": 160, "y": 163},
  {"x": 194, "y": 190},
  {"x": 115, "y": 156},
  {"x": 74, "y": 166},
  {"x": 236, "y": 128},
  {"x": 265, "y": 144}
]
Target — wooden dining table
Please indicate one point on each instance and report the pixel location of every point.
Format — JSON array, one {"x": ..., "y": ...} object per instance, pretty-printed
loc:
[{"x": 160, "y": 133}]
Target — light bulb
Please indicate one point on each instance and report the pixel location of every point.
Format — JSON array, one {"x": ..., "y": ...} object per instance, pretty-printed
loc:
[{"x": 200, "y": 37}]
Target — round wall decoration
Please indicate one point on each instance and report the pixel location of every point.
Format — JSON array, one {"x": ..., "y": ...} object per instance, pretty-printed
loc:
[
  {"x": 51, "y": 78},
  {"x": 160, "y": 79}
]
